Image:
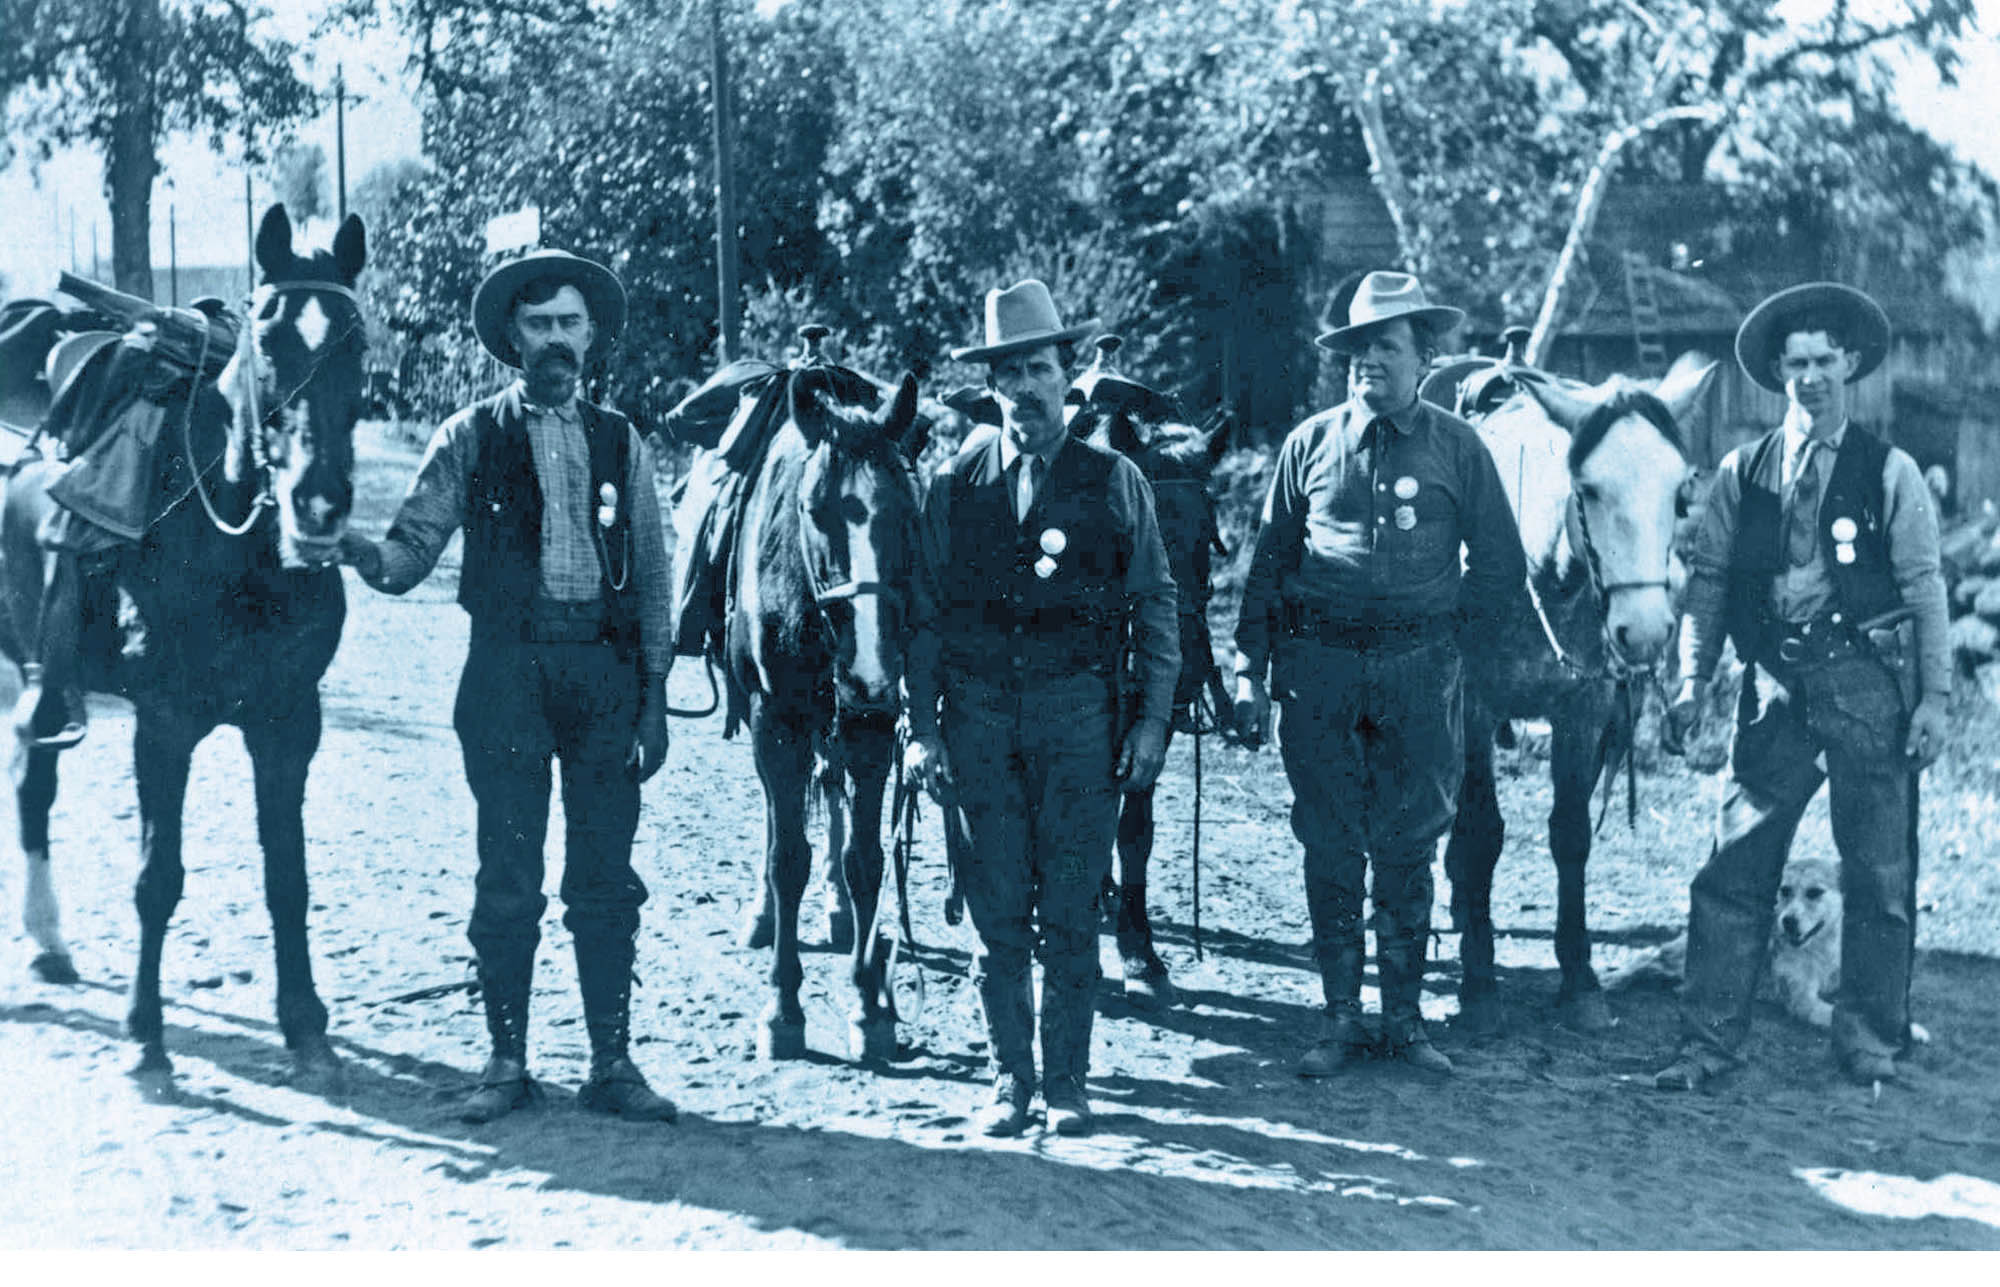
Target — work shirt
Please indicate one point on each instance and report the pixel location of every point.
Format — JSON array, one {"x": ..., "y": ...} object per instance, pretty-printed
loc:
[
  {"x": 1804, "y": 590},
  {"x": 1147, "y": 585},
  {"x": 571, "y": 572},
  {"x": 1364, "y": 526}
]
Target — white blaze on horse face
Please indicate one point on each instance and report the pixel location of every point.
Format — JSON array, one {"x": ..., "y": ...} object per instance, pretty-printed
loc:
[
  {"x": 312, "y": 324},
  {"x": 1633, "y": 478},
  {"x": 873, "y": 673}
]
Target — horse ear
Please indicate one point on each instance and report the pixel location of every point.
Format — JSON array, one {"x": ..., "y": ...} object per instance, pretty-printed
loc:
[
  {"x": 274, "y": 242},
  {"x": 1566, "y": 404},
  {"x": 903, "y": 410},
  {"x": 350, "y": 248},
  {"x": 1121, "y": 434},
  {"x": 1683, "y": 385},
  {"x": 808, "y": 411}
]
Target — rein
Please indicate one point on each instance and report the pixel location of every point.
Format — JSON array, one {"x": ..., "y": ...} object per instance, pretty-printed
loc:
[{"x": 902, "y": 850}]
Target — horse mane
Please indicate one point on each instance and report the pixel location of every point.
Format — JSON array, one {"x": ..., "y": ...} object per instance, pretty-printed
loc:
[{"x": 1626, "y": 399}]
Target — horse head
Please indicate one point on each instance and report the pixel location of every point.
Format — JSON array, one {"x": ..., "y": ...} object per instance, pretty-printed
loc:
[
  {"x": 295, "y": 386},
  {"x": 1629, "y": 486},
  {"x": 858, "y": 528}
]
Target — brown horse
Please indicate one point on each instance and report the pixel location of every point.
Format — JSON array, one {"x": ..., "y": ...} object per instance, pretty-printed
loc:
[
  {"x": 813, "y": 652},
  {"x": 1599, "y": 479},
  {"x": 232, "y": 608}
]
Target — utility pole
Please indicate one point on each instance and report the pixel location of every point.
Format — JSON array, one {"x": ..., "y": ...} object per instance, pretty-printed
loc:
[
  {"x": 74, "y": 265},
  {"x": 340, "y": 137},
  {"x": 728, "y": 310},
  {"x": 249, "y": 234},
  {"x": 173, "y": 260},
  {"x": 96, "y": 265}
]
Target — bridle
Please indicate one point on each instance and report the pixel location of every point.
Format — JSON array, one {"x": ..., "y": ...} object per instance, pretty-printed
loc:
[{"x": 266, "y": 457}]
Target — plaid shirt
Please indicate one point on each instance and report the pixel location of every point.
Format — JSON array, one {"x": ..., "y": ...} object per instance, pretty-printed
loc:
[{"x": 571, "y": 573}]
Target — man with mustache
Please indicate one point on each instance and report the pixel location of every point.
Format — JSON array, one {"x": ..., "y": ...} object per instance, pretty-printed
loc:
[
  {"x": 1356, "y": 603},
  {"x": 1042, "y": 552},
  {"x": 1818, "y": 556},
  {"x": 565, "y": 581}
]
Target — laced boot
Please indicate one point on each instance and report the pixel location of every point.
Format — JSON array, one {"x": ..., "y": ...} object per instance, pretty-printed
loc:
[
  {"x": 1007, "y": 1114},
  {"x": 504, "y": 1084},
  {"x": 1068, "y": 1012},
  {"x": 616, "y": 1086},
  {"x": 1343, "y": 1039}
]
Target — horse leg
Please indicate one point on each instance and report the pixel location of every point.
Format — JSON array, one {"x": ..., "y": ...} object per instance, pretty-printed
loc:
[
  {"x": 281, "y": 753},
  {"x": 784, "y": 762},
  {"x": 161, "y": 751},
  {"x": 41, "y": 914},
  {"x": 1145, "y": 975},
  {"x": 1470, "y": 857},
  {"x": 831, "y": 784},
  {"x": 1576, "y": 757},
  {"x": 872, "y": 1029}
]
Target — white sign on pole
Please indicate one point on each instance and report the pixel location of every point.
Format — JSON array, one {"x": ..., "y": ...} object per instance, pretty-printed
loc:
[{"x": 517, "y": 230}]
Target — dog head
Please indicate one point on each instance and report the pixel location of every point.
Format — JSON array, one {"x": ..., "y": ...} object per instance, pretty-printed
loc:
[{"x": 1808, "y": 900}]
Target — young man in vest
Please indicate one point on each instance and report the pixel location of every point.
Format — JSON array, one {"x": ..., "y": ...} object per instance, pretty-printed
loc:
[
  {"x": 1043, "y": 553},
  {"x": 565, "y": 581},
  {"x": 1357, "y": 573},
  {"x": 1818, "y": 556}
]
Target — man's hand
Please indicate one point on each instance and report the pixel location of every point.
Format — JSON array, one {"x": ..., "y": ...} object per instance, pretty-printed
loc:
[
  {"x": 649, "y": 745},
  {"x": 363, "y": 554},
  {"x": 1685, "y": 717},
  {"x": 1927, "y": 733},
  {"x": 1144, "y": 752},
  {"x": 1253, "y": 710},
  {"x": 924, "y": 762}
]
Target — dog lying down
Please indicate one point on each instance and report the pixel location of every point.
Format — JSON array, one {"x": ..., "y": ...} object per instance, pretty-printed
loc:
[{"x": 1803, "y": 972}]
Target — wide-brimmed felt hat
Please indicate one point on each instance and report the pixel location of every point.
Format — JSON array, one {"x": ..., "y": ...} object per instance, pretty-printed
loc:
[
  {"x": 1760, "y": 339},
  {"x": 1102, "y": 387},
  {"x": 1021, "y": 317},
  {"x": 1384, "y": 297},
  {"x": 493, "y": 301},
  {"x": 69, "y": 355}
]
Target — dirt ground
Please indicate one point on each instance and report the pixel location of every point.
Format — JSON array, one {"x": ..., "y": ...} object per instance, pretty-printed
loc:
[{"x": 1545, "y": 1139}]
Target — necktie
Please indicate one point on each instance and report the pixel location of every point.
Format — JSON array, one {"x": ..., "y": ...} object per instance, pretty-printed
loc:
[
  {"x": 1802, "y": 510},
  {"x": 1029, "y": 468}
]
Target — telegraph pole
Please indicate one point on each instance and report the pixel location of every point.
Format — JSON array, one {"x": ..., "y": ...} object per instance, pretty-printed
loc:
[
  {"x": 725, "y": 189},
  {"x": 173, "y": 260},
  {"x": 340, "y": 137}
]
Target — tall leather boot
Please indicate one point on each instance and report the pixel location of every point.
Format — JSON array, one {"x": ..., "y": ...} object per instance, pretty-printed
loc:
[
  {"x": 1009, "y": 1002},
  {"x": 1402, "y": 938},
  {"x": 504, "y": 1084},
  {"x": 616, "y": 1087},
  {"x": 51, "y": 711},
  {"x": 1343, "y": 1038}
]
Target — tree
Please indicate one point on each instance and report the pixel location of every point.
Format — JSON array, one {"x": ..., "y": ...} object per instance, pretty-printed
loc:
[
  {"x": 121, "y": 75},
  {"x": 298, "y": 179}
]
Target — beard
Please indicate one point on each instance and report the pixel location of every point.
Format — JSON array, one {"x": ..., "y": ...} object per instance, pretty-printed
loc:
[{"x": 551, "y": 372}]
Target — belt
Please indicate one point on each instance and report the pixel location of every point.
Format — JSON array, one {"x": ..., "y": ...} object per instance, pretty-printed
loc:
[
  {"x": 553, "y": 621},
  {"x": 1368, "y": 636},
  {"x": 1823, "y": 639}
]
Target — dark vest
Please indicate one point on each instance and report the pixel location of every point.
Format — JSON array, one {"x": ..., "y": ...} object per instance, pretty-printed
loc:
[
  {"x": 1864, "y": 585},
  {"x": 1000, "y": 617},
  {"x": 502, "y": 575}
]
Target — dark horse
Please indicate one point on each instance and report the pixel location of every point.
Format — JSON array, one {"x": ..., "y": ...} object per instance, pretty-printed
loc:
[
  {"x": 814, "y": 649},
  {"x": 1598, "y": 478},
  {"x": 232, "y": 606},
  {"x": 1178, "y": 460}
]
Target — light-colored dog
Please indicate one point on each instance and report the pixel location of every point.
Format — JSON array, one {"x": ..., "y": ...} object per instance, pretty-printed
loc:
[{"x": 1803, "y": 972}]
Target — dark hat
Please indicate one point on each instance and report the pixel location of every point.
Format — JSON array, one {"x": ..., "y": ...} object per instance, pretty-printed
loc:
[
  {"x": 493, "y": 301},
  {"x": 1384, "y": 297},
  {"x": 1762, "y": 335},
  {"x": 1021, "y": 317},
  {"x": 1101, "y": 387}
]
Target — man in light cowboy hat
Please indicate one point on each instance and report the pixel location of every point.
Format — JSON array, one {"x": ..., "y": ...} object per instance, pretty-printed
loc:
[
  {"x": 1818, "y": 556},
  {"x": 1357, "y": 574},
  {"x": 565, "y": 581},
  {"x": 1041, "y": 551}
]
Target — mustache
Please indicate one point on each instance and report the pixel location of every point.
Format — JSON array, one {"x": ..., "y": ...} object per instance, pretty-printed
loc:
[{"x": 555, "y": 352}]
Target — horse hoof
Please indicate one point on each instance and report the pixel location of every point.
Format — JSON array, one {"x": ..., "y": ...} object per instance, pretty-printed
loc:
[
  {"x": 840, "y": 930},
  {"x": 759, "y": 932},
  {"x": 1148, "y": 986},
  {"x": 1480, "y": 1015},
  {"x": 53, "y": 967},
  {"x": 317, "y": 1070},
  {"x": 1585, "y": 1012},
  {"x": 781, "y": 1039},
  {"x": 872, "y": 1040}
]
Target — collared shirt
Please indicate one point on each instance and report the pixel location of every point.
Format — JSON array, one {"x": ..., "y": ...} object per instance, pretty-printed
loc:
[
  {"x": 1024, "y": 483},
  {"x": 1367, "y": 527},
  {"x": 1801, "y": 593},
  {"x": 434, "y": 509},
  {"x": 1148, "y": 584}
]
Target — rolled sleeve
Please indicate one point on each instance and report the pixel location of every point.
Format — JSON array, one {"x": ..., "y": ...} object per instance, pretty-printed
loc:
[
  {"x": 1149, "y": 587},
  {"x": 1915, "y": 563},
  {"x": 649, "y": 564},
  {"x": 431, "y": 512},
  {"x": 1280, "y": 544}
]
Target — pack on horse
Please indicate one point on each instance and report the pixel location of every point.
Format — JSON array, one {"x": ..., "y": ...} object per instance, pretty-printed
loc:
[
  {"x": 1598, "y": 478},
  {"x": 814, "y": 628},
  {"x": 1178, "y": 460},
  {"x": 232, "y": 605}
]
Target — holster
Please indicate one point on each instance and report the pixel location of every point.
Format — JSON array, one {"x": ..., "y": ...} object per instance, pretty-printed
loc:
[{"x": 1892, "y": 637}]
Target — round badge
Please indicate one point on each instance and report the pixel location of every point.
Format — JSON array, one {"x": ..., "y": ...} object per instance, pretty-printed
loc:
[
  {"x": 1843, "y": 529},
  {"x": 1406, "y": 517},
  {"x": 1053, "y": 541},
  {"x": 1843, "y": 553},
  {"x": 1406, "y": 488},
  {"x": 606, "y": 516},
  {"x": 1045, "y": 567},
  {"x": 607, "y": 495}
]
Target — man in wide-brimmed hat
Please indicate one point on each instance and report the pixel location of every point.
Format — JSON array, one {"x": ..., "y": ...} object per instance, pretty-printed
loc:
[
  {"x": 565, "y": 580},
  {"x": 1356, "y": 604},
  {"x": 1043, "y": 553},
  {"x": 1818, "y": 557}
]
